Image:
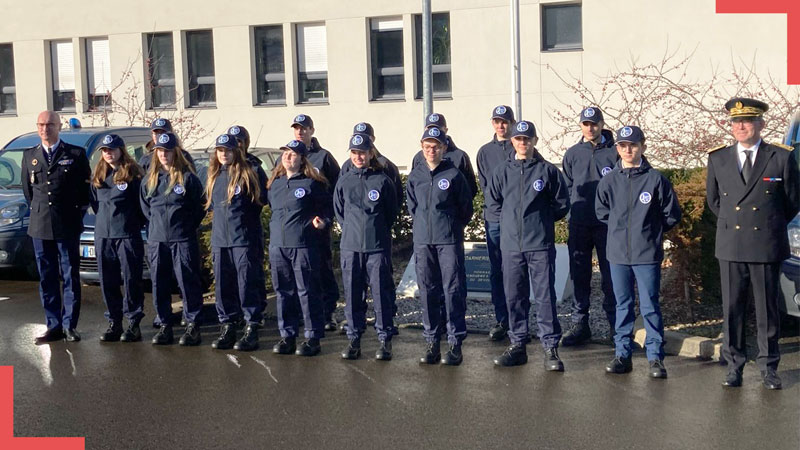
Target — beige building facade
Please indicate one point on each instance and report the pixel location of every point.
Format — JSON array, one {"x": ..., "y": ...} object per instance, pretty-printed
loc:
[{"x": 259, "y": 63}]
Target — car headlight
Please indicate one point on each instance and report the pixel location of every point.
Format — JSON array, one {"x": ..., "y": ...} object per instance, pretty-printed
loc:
[
  {"x": 794, "y": 239},
  {"x": 12, "y": 213}
]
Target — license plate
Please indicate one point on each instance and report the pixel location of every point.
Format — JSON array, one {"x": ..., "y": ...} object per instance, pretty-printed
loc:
[{"x": 87, "y": 251}]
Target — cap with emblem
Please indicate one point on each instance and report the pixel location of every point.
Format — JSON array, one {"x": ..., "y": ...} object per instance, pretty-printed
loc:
[
  {"x": 525, "y": 129},
  {"x": 239, "y": 132},
  {"x": 434, "y": 133},
  {"x": 112, "y": 141},
  {"x": 435, "y": 120},
  {"x": 297, "y": 147},
  {"x": 630, "y": 133},
  {"x": 303, "y": 120},
  {"x": 360, "y": 142},
  {"x": 160, "y": 124},
  {"x": 745, "y": 107},
  {"x": 363, "y": 128},
  {"x": 503, "y": 112},
  {"x": 227, "y": 141},
  {"x": 591, "y": 114},
  {"x": 167, "y": 141}
]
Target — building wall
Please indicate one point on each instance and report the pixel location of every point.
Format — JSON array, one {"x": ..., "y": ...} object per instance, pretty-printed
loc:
[{"x": 614, "y": 33}]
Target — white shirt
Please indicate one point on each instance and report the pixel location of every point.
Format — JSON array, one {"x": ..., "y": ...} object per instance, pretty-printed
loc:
[{"x": 740, "y": 152}]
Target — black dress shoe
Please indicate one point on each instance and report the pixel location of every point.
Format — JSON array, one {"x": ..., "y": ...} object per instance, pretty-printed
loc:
[
  {"x": 164, "y": 335},
  {"x": 249, "y": 340},
  {"x": 51, "y": 335},
  {"x": 353, "y": 349},
  {"x": 286, "y": 346},
  {"x": 552, "y": 363},
  {"x": 771, "y": 379},
  {"x": 384, "y": 353},
  {"x": 453, "y": 357},
  {"x": 343, "y": 327},
  {"x": 226, "y": 338},
  {"x": 619, "y": 365},
  {"x": 72, "y": 335},
  {"x": 515, "y": 355},
  {"x": 432, "y": 354},
  {"x": 113, "y": 333},
  {"x": 191, "y": 336},
  {"x": 331, "y": 325},
  {"x": 310, "y": 347},
  {"x": 733, "y": 379},
  {"x": 132, "y": 334},
  {"x": 657, "y": 369},
  {"x": 498, "y": 332},
  {"x": 578, "y": 334}
]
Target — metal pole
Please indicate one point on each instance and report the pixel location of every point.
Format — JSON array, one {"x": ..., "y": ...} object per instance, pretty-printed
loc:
[
  {"x": 516, "y": 72},
  {"x": 427, "y": 60}
]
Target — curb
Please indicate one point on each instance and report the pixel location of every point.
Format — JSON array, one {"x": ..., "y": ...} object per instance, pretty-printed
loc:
[{"x": 682, "y": 344}]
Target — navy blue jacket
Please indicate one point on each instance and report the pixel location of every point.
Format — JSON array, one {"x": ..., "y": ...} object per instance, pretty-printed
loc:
[
  {"x": 529, "y": 196},
  {"x": 440, "y": 203},
  {"x": 238, "y": 223},
  {"x": 389, "y": 168},
  {"x": 117, "y": 208},
  {"x": 324, "y": 162},
  {"x": 365, "y": 204},
  {"x": 144, "y": 161},
  {"x": 490, "y": 156},
  {"x": 294, "y": 203},
  {"x": 639, "y": 206},
  {"x": 458, "y": 157},
  {"x": 584, "y": 165},
  {"x": 175, "y": 214}
]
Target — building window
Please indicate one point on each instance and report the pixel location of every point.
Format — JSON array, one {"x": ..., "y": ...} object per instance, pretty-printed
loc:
[
  {"x": 161, "y": 70},
  {"x": 63, "y": 63},
  {"x": 98, "y": 71},
  {"x": 270, "y": 77},
  {"x": 440, "y": 37},
  {"x": 561, "y": 27},
  {"x": 200, "y": 59},
  {"x": 386, "y": 57},
  {"x": 312, "y": 63},
  {"x": 8, "y": 87}
]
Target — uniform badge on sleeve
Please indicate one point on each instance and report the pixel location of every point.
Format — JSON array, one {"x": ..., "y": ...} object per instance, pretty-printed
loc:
[
  {"x": 606, "y": 170},
  {"x": 645, "y": 198},
  {"x": 299, "y": 193},
  {"x": 444, "y": 184}
]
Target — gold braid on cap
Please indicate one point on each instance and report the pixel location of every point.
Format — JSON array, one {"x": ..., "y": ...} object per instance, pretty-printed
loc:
[{"x": 740, "y": 110}]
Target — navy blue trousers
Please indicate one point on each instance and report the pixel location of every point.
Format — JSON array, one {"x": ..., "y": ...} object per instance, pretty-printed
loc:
[
  {"x": 119, "y": 262},
  {"x": 295, "y": 278},
  {"x": 496, "y": 271},
  {"x": 182, "y": 259},
  {"x": 521, "y": 272},
  {"x": 360, "y": 270},
  {"x": 648, "y": 281},
  {"x": 239, "y": 273},
  {"x": 59, "y": 258},
  {"x": 328, "y": 285},
  {"x": 581, "y": 241},
  {"x": 441, "y": 274}
]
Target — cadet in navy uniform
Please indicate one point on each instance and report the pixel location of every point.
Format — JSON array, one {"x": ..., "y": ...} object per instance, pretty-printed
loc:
[
  {"x": 529, "y": 195},
  {"x": 325, "y": 164},
  {"x": 118, "y": 238},
  {"x": 365, "y": 204},
  {"x": 55, "y": 182},
  {"x": 301, "y": 215},
  {"x": 158, "y": 127},
  {"x": 638, "y": 205},
  {"x": 389, "y": 168},
  {"x": 458, "y": 157},
  {"x": 491, "y": 156},
  {"x": 172, "y": 200},
  {"x": 440, "y": 203},
  {"x": 584, "y": 164},
  {"x": 753, "y": 189}
]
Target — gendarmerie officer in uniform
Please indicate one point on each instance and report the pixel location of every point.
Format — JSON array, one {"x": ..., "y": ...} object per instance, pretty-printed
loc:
[
  {"x": 55, "y": 182},
  {"x": 754, "y": 189}
]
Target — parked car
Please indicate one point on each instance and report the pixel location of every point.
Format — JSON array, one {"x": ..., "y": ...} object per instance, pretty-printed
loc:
[
  {"x": 790, "y": 269},
  {"x": 16, "y": 249}
]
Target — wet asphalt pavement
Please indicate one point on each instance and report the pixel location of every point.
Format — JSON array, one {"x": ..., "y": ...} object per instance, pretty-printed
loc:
[{"x": 137, "y": 396}]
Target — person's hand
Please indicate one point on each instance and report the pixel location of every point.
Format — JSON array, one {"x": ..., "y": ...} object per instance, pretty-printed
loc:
[{"x": 318, "y": 222}]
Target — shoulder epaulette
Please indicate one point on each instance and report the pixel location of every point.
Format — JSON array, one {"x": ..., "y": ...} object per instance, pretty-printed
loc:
[
  {"x": 712, "y": 150},
  {"x": 785, "y": 147}
]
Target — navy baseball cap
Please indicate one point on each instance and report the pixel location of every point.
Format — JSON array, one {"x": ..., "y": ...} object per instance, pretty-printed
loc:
[
  {"x": 363, "y": 128},
  {"x": 435, "y": 120},
  {"x": 436, "y": 133},
  {"x": 112, "y": 141},
  {"x": 360, "y": 142},
  {"x": 297, "y": 147},
  {"x": 630, "y": 133},
  {"x": 167, "y": 141},
  {"x": 160, "y": 124},
  {"x": 303, "y": 120},
  {"x": 239, "y": 132},
  {"x": 226, "y": 141},
  {"x": 591, "y": 114},
  {"x": 503, "y": 112},
  {"x": 524, "y": 128}
]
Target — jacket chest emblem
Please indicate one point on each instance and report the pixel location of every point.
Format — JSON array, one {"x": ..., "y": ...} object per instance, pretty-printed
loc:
[
  {"x": 645, "y": 198},
  {"x": 178, "y": 189},
  {"x": 538, "y": 185},
  {"x": 122, "y": 186},
  {"x": 374, "y": 195},
  {"x": 237, "y": 190},
  {"x": 299, "y": 193},
  {"x": 443, "y": 184}
]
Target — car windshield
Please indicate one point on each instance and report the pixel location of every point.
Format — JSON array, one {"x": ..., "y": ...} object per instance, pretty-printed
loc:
[
  {"x": 11, "y": 168},
  {"x": 32, "y": 140}
]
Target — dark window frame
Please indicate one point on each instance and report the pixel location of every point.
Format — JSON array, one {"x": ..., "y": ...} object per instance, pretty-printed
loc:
[
  {"x": 269, "y": 79},
  {"x": 546, "y": 44},
  {"x": 8, "y": 85},
  {"x": 382, "y": 72},
  {"x": 162, "y": 91},
  {"x": 202, "y": 88},
  {"x": 318, "y": 79},
  {"x": 442, "y": 63}
]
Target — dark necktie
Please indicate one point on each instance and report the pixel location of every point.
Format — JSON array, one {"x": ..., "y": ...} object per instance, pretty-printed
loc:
[{"x": 747, "y": 167}]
